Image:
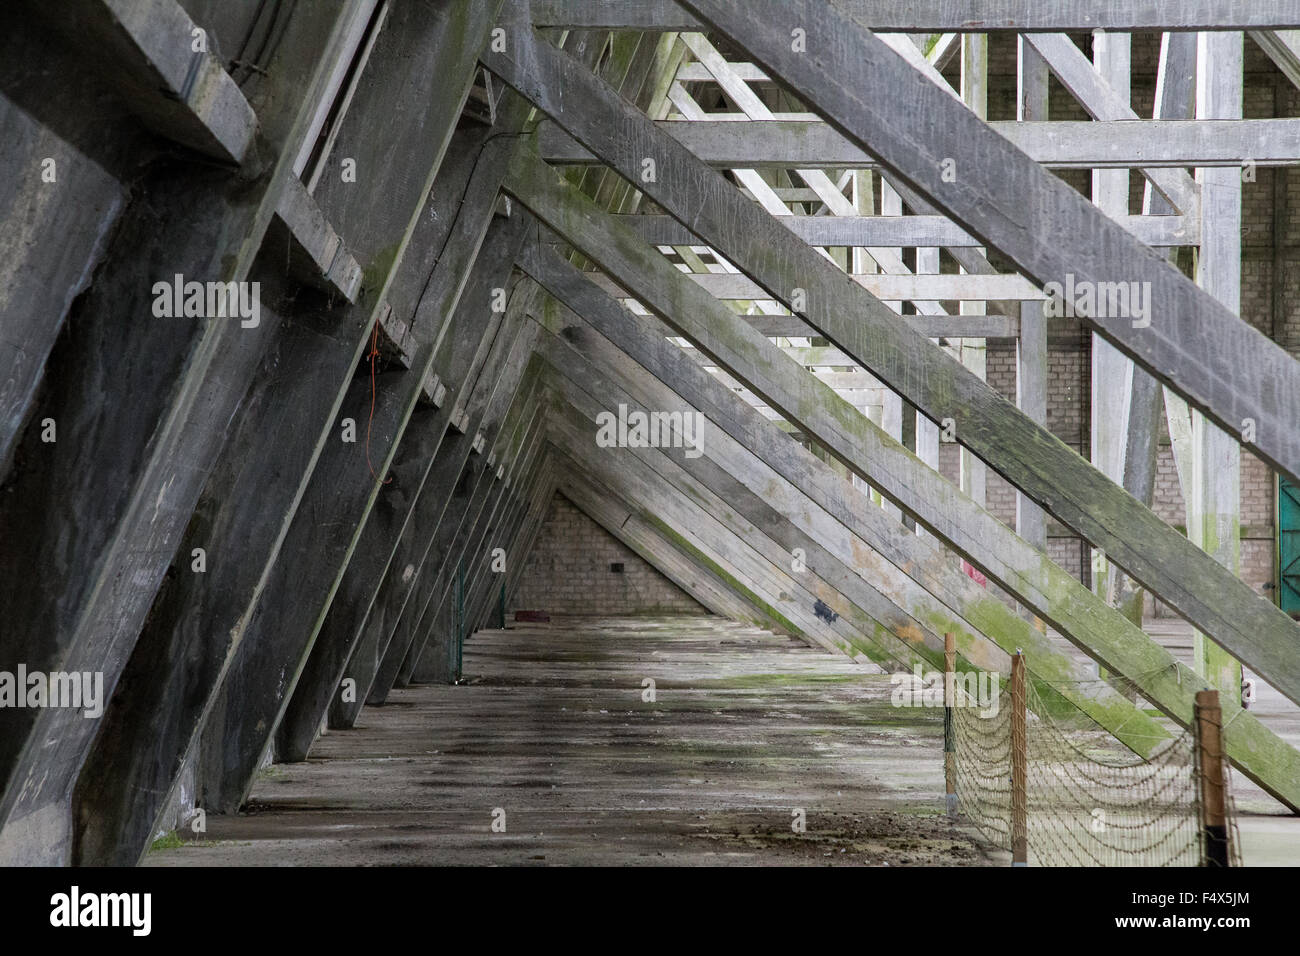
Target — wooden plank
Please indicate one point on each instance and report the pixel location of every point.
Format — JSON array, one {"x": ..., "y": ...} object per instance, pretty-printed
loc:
[
  {"x": 1025, "y": 453},
  {"x": 948, "y": 16},
  {"x": 908, "y": 231},
  {"x": 1062, "y": 144}
]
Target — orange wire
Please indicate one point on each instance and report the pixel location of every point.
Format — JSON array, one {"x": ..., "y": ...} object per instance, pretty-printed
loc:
[{"x": 374, "y": 354}]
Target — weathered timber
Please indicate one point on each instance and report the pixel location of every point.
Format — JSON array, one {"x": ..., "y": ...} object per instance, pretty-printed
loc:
[
  {"x": 947, "y": 16},
  {"x": 97, "y": 542},
  {"x": 310, "y": 368},
  {"x": 338, "y": 500},
  {"x": 1028, "y": 574},
  {"x": 353, "y": 606},
  {"x": 1030, "y": 457}
]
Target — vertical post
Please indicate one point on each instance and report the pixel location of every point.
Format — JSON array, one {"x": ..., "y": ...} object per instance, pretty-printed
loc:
[
  {"x": 949, "y": 732},
  {"x": 1019, "y": 765},
  {"x": 1214, "y": 494},
  {"x": 1209, "y": 740},
  {"x": 460, "y": 617},
  {"x": 973, "y": 353},
  {"x": 501, "y": 605}
]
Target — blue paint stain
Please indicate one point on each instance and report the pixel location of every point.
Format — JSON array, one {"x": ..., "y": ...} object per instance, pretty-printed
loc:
[{"x": 823, "y": 611}]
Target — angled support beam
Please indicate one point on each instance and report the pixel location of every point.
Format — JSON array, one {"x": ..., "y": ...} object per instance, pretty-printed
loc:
[
  {"x": 1028, "y": 455},
  {"x": 253, "y": 695},
  {"x": 1033, "y": 578},
  {"x": 310, "y": 368},
  {"x": 371, "y": 647},
  {"x": 889, "y": 555},
  {"x": 452, "y": 540},
  {"x": 1053, "y": 236},
  {"x": 472, "y": 550},
  {"x": 381, "y": 556},
  {"x": 97, "y": 543}
]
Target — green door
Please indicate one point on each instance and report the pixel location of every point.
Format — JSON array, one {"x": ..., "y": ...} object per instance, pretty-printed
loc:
[{"x": 1288, "y": 540}]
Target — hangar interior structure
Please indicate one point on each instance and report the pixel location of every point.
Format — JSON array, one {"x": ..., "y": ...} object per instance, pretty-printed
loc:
[{"x": 366, "y": 364}]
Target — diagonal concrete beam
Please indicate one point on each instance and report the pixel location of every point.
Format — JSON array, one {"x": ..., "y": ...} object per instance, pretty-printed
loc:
[
  {"x": 342, "y": 488},
  {"x": 96, "y": 544}
]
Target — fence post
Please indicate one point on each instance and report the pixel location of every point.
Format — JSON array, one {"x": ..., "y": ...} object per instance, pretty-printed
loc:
[
  {"x": 1209, "y": 741},
  {"x": 949, "y": 732},
  {"x": 460, "y": 618},
  {"x": 1019, "y": 764}
]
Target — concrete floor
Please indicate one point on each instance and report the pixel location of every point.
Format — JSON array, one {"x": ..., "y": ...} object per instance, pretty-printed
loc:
[
  {"x": 552, "y": 728},
  {"x": 553, "y": 733}
]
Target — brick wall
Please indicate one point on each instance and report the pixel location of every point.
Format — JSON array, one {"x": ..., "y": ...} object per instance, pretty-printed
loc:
[{"x": 569, "y": 572}]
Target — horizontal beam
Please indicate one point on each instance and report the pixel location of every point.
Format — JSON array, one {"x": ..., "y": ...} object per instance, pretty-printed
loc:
[
  {"x": 953, "y": 16},
  {"x": 1083, "y": 144},
  {"x": 907, "y": 231},
  {"x": 931, "y": 326},
  {"x": 888, "y": 288}
]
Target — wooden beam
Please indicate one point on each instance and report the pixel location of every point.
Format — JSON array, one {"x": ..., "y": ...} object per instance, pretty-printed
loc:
[
  {"x": 947, "y": 16},
  {"x": 1118, "y": 144},
  {"x": 344, "y": 486},
  {"x": 802, "y": 399},
  {"x": 382, "y": 555},
  {"x": 885, "y": 287},
  {"x": 1024, "y": 452},
  {"x": 1031, "y": 577},
  {"x": 907, "y": 231},
  {"x": 96, "y": 543}
]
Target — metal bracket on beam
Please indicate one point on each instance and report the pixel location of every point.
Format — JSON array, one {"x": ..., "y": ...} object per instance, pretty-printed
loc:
[{"x": 479, "y": 442}]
